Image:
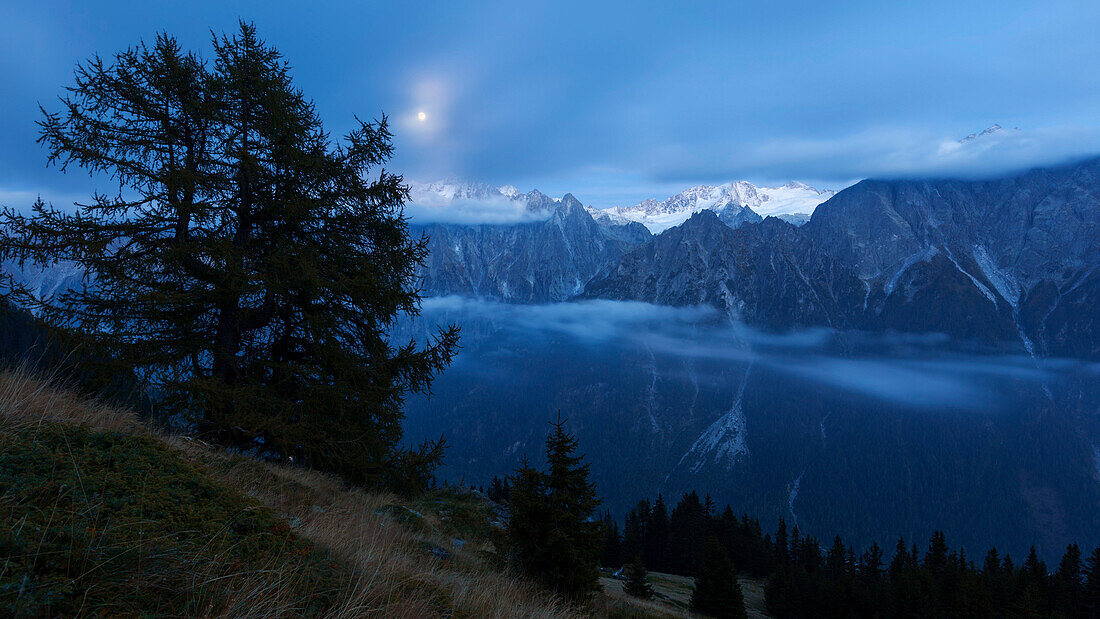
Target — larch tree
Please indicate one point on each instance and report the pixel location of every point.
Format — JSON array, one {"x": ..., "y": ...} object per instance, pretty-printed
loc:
[{"x": 248, "y": 269}]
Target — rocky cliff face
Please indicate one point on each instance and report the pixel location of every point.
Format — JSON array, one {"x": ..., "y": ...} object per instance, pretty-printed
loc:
[
  {"x": 761, "y": 273},
  {"x": 535, "y": 262},
  {"x": 1016, "y": 231},
  {"x": 1007, "y": 260}
]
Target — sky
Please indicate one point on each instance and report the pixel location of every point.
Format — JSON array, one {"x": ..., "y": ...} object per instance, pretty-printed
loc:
[{"x": 620, "y": 101}]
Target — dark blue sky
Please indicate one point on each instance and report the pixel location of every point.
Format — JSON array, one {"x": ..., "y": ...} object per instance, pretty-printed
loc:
[{"x": 619, "y": 101}]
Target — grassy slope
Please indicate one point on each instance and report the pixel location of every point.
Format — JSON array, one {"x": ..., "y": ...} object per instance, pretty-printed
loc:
[
  {"x": 672, "y": 595},
  {"x": 99, "y": 515}
]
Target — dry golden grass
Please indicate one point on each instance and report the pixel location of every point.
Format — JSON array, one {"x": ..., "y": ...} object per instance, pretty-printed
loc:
[
  {"x": 661, "y": 605},
  {"x": 398, "y": 577},
  {"x": 391, "y": 572},
  {"x": 27, "y": 400}
]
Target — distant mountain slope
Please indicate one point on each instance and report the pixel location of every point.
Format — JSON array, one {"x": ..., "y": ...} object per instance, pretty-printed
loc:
[
  {"x": 531, "y": 262},
  {"x": 761, "y": 273},
  {"x": 496, "y": 242},
  {"x": 959, "y": 257}
]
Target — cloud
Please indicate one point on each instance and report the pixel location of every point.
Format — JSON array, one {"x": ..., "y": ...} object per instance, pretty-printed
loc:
[
  {"x": 884, "y": 153},
  {"x": 917, "y": 371},
  {"x": 591, "y": 322},
  {"x": 491, "y": 210},
  {"x": 23, "y": 200}
]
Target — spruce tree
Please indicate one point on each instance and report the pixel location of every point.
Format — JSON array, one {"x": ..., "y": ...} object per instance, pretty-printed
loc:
[
  {"x": 717, "y": 593},
  {"x": 1068, "y": 585},
  {"x": 637, "y": 580},
  {"x": 657, "y": 535},
  {"x": 551, "y": 529},
  {"x": 612, "y": 555},
  {"x": 248, "y": 269},
  {"x": 1090, "y": 596},
  {"x": 782, "y": 547}
]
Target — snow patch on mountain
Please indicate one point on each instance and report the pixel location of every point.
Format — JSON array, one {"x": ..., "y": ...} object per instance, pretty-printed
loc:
[
  {"x": 725, "y": 440},
  {"x": 923, "y": 255},
  {"x": 792, "y": 496},
  {"x": 980, "y": 286},
  {"x": 1005, "y": 284}
]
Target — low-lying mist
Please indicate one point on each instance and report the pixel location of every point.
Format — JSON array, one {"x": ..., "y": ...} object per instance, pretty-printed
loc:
[{"x": 920, "y": 371}]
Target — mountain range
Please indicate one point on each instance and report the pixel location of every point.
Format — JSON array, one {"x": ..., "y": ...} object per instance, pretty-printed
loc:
[{"x": 1010, "y": 260}]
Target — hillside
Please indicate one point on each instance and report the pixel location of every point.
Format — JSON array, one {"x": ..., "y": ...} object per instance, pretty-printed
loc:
[{"x": 102, "y": 515}]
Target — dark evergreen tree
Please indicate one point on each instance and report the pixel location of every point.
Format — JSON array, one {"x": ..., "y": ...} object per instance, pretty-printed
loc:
[
  {"x": 836, "y": 560},
  {"x": 940, "y": 582},
  {"x": 657, "y": 535},
  {"x": 1090, "y": 598},
  {"x": 781, "y": 593},
  {"x": 869, "y": 574},
  {"x": 498, "y": 490},
  {"x": 637, "y": 580},
  {"x": 935, "y": 560},
  {"x": 839, "y": 579},
  {"x": 717, "y": 593},
  {"x": 1068, "y": 585},
  {"x": 634, "y": 529},
  {"x": 550, "y": 528},
  {"x": 782, "y": 549},
  {"x": 612, "y": 543},
  {"x": 248, "y": 269},
  {"x": 688, "y": 532}
]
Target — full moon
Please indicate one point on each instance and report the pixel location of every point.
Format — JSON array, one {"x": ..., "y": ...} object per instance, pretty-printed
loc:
[{"x": 421, "y": 116}]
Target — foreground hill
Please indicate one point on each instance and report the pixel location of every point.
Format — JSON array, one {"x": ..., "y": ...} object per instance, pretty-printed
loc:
[{"x": 103, "y": 516}]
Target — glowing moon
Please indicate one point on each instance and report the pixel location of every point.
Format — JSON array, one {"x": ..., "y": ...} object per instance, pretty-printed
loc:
[{"x": 421, "y": 116}]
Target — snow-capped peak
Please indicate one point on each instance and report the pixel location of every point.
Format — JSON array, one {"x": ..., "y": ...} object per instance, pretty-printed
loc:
[
  {"x": 793, "y": 198},
  {"x": 454, "y": 190}
]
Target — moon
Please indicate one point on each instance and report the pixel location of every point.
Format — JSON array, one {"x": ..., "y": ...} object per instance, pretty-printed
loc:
[{"x": 421, "y": 116}]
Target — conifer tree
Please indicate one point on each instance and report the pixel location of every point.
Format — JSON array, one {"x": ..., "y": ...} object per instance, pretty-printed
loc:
[
  {"x": 498, "y": 490},
  {"x": 870, "y": 564},
  {"x": 1090, "y": 597},
  {"x": 782, "y": 550},
  {"x": 836, "y": 560},
  {"x": 717, "y": 593},
  {"x": 657, "y": 535},
  {"x": 688, "y": 531},
  {"x": 1068, "y": 586},
  {"x": 248, "y": 269},
  {"x": 612, "y": 543},
  {"x": 634, "y": 530},
  {"x": 935, "y": 560},
  {"x": 637, "y": 580},
  {"x": 553, "y": 535}
]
